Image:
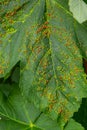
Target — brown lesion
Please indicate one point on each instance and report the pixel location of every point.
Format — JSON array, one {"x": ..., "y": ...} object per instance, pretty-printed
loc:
[
  {"x": 17, "y": 9},
  {"x": 44, "y": 29},
  {"x": 44, "y": 26}
]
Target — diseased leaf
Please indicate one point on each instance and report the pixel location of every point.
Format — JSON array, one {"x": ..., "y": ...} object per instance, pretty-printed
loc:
[
  {"x": 41, "y": 34},
  {"x": 53, "y": 74}
]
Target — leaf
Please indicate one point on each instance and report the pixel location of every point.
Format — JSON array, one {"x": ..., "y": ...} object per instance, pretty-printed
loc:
[
  {"x": 79, "y": 10},
  {"x": 72, "y": 124},
  {"x": 41, "y": 35},
  {"x": 18, "y": 114},
  {"x": 16, "y": 75},
  {"x": 81, "y": 32}
]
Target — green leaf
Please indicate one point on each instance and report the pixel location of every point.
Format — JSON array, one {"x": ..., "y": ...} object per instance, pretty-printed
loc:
[
  {"x": 41, "y": 35},
  {"x": 16, "y": 75},
  {"x": 18, "y": 114},
  {"x": 81, "y": 32},
  {"x": 79, "y": 10},
  {"x": 73, "y": 125}
]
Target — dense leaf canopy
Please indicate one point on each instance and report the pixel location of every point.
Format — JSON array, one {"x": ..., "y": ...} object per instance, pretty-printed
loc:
[{"x": 48, "y": 44}]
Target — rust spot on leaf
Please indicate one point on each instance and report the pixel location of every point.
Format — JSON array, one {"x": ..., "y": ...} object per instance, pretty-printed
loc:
[{"x": 44, "y": 26}]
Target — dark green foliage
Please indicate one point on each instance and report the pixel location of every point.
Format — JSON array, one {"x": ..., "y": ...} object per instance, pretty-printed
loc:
[
  {"x": 81, "y": 115},
  {"x": 85, "y": 1}
]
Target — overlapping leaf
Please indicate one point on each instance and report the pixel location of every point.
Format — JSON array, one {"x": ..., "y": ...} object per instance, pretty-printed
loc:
[
  {"x": 41, "y": 35},
  {"x": 73, "y": 125},
  {"x": 18, "y": 114}
]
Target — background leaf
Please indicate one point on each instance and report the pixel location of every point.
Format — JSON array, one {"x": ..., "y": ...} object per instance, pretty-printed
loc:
[
  {"x": 81, "y": 33},
  {"x": 73, "y": 125},
  {"x": 18, "y": 114},
  {"x": 79, "y": 10}
]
